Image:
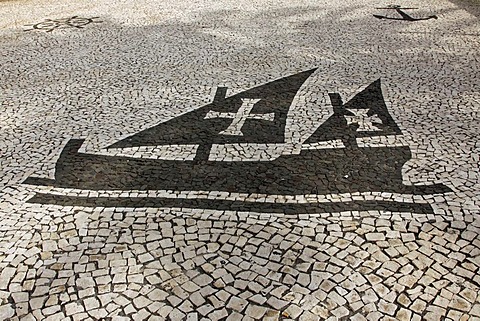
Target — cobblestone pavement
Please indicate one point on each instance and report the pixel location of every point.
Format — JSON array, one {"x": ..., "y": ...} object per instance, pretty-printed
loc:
[{"x": 239, "y": 160}]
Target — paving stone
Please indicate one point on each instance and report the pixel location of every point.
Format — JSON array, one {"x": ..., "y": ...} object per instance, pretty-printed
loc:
[
  {"x": 256, "y": 312},
  {"x": 73, "y": 308},
  {"x": 340, "y": 312},
  {"x": 475, "y": 311},
  {"x": 459, "y": 303},
  {"x": 186, "y": 161},
  {"x": 237, "y": 304},
  {"x": 418, "y": 306},
  {"x": 202, "y": 280},
  {"x": 385, "y": 307},
  {"x": 358, "y": 317},
  {"x": 6, "y": 311},
  {"x": 276, "y": 303},
  {"x": 375, "y": 236},
  {"x": 218, "y": 314}
]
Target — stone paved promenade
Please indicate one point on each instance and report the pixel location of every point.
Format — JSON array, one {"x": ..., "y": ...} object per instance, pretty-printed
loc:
[{"x": 239, "y": 160}]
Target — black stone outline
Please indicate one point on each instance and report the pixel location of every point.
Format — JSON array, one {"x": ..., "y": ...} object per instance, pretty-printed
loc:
[{"x": 226, "y": 205}]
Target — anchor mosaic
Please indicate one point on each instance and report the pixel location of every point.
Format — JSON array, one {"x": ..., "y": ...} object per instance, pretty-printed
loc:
[{"x": 402, "y": 14}]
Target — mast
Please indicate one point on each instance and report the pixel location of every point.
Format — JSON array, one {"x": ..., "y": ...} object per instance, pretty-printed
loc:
[
  {"x": 203, "y": 150},
  {"x": 337, "y": 104}
]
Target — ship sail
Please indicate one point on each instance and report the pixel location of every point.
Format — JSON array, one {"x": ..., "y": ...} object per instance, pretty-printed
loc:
[
  {"x": 257, "y": 115},
  {"x": 365, "y": 115}
]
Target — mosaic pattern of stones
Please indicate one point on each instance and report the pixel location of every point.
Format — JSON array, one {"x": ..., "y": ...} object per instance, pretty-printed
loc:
[
  {"x": 51, "y": 24},
  {"x": 105, "y": 127}
]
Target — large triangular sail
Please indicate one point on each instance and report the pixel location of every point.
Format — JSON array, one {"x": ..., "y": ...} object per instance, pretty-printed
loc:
[{"x": 257, "y": 115}]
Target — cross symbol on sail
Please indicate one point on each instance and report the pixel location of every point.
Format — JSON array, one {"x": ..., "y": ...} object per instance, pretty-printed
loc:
[
  {"x": 365, "y": 123},
  {"x": 239, "y": 118}
]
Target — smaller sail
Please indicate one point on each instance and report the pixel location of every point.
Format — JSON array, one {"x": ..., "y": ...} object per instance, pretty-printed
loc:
[{"x": 365, "y": 115}]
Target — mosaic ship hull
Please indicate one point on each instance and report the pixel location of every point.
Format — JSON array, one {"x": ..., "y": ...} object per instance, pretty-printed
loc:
[{"x": 320, "y": 171}]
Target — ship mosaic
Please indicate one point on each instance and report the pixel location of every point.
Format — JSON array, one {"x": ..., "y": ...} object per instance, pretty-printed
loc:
[{"x": 176, "y": 163}]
